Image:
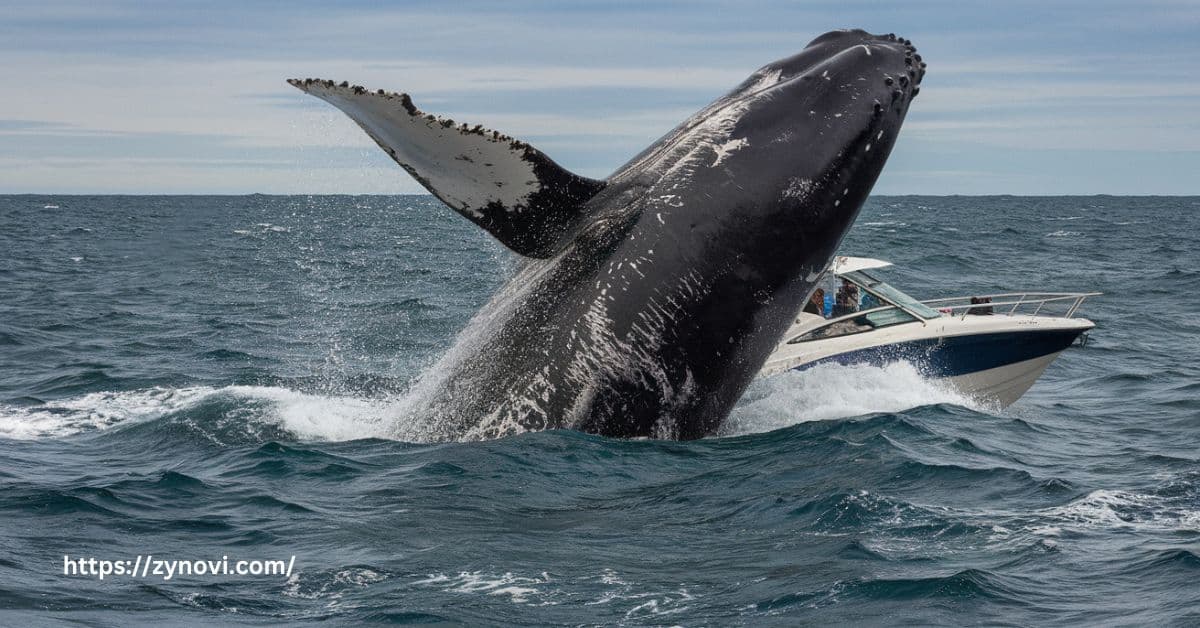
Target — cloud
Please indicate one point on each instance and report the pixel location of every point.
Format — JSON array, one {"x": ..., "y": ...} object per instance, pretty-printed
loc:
[{"x": 98, "y": 90}]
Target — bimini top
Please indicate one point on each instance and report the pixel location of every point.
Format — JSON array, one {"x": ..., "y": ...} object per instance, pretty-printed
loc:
[{"x": 843, "y": 264}]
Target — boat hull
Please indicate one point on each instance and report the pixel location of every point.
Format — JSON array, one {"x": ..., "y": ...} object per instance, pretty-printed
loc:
[
  {"x": 991, "y": 347},
  {"x": 1002, "y": 385},
  {"x": 996, "y": 367},
  {"x": 950, "y": 356}
]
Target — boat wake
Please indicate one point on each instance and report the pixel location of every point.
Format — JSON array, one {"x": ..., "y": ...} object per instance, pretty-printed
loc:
[{"x": 835, "y": 391}]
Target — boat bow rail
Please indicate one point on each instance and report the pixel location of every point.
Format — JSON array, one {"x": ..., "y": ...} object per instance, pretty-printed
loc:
[
  {"x": 1064, "y": 304},
  {"x": 1046, "y": 304}
]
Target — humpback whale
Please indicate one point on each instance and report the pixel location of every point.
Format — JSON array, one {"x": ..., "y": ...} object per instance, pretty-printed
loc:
[{"x": 646, "y": 302}]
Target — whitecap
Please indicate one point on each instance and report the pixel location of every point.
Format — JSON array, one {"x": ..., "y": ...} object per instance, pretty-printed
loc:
[{"x": 1104, "y": 508}]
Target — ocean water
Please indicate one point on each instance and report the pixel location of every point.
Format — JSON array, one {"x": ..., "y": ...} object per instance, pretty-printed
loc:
[{"x": 203, "y": 377}]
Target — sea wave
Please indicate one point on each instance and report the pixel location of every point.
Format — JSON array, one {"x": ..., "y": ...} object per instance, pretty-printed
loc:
[{"x": 236, "y": 375}]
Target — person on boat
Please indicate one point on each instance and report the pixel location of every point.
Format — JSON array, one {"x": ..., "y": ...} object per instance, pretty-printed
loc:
[
  {"x": 846, "y": 301},
  {"x": 983, "y": 310},
  {"x": 816, "y": 303}
]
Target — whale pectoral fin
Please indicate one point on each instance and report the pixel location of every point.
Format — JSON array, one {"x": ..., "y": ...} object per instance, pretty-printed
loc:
[{"x": 514, "y": 191}]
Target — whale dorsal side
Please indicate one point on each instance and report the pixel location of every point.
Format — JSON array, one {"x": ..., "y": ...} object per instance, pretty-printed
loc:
[{"x": 511, "y": 189}]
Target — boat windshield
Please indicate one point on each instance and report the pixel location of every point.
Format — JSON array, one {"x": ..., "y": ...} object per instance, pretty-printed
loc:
[
  {"x": 856, "y": 325},
  {"x": 890, "y": 294}
]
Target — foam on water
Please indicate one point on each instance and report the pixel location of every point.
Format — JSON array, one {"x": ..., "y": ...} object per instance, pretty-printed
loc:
[
  {"x": 331, "y": 585},
  {"x": 835, "y": 391},
  {"x": 624, "y": 597},
  {"x": 822, "y": 393},
  {"x": 95, "y": 411},
  {"x": 1125, "y": 509},
  {"x": 517, "y": 588},
  {"x": 307, "y": 416}
]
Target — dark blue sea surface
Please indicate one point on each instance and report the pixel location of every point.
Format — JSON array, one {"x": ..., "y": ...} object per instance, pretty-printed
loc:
[{"x": 200, "y": 377}]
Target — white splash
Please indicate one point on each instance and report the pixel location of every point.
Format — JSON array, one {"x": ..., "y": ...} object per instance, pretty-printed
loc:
[
  {"x": 832, "y": 392},
  {"x": 93, "y": 411},
  {"x": 308, "y": 416}
]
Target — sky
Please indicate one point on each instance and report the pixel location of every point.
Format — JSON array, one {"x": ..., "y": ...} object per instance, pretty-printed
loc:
[{"x": 1021, "y": 97}]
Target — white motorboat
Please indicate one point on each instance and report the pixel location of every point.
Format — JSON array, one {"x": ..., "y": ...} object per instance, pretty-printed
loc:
[{"x": 990, "y": 347}]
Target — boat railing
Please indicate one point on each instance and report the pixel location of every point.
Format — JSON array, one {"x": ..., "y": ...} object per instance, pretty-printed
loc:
[{"x": 1064, "y": 304}]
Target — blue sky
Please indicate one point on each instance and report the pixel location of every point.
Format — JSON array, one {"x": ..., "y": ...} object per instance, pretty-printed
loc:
[{"x": 1022, "y": 97}]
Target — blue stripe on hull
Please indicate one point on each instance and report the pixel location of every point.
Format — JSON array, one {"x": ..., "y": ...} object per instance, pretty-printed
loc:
[{"x": 959, "y": 355}]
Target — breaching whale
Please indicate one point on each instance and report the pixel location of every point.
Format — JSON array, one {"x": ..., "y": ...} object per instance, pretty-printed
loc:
[{"x": 647, "y": 302}]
